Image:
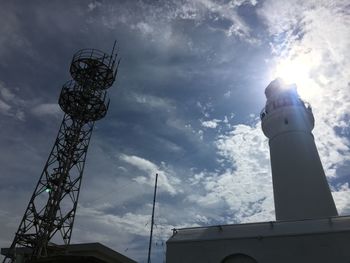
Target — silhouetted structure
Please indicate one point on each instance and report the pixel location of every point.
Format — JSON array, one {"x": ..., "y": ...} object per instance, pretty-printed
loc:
[
  {"x": 51, "y": 210},
  {"x": 76, "y": 253}
]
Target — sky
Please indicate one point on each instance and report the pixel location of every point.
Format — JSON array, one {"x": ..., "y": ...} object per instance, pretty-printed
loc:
[{"x": 186, "y": 105}]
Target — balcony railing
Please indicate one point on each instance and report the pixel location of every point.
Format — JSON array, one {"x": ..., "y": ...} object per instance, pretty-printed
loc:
[{"x": 284, "y": 102}]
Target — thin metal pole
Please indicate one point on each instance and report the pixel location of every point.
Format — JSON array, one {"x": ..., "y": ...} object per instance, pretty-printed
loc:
[
  {"x": 115, "y": 42},
  {"x": 152, "y": 223}
]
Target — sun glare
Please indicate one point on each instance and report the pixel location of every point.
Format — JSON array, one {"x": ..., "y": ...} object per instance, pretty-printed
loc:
[{"x": 297, "y": 71}]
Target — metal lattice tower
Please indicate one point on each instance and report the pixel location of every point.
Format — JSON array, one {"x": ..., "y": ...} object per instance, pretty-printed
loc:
[{"x": 50, "y": 214}]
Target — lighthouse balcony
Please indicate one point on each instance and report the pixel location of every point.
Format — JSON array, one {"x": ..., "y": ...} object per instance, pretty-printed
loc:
[{"x": 283, "y": 102}]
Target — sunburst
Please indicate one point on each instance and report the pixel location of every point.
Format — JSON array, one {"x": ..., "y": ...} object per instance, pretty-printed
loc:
[{"x": 298, "y": 71}]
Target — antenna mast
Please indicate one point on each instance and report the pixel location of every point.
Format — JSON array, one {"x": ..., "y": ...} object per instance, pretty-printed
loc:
[
  {"x": 152, "y": 223},
  {"x": 51, "y": 210}
]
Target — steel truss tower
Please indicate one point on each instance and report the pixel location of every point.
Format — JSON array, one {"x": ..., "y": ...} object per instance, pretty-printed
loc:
[{"x": 50, "y": 214}]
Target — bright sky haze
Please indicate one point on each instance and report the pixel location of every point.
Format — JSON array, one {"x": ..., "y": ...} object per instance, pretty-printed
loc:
[{"x": 185, "y": 105}]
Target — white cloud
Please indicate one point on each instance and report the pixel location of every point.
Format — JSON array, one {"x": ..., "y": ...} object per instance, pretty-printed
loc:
[
  {"x": 129, "y": 222},
  {"x": 47, "y": 109},
  {"x": 205, "y": 108},
  {"x": 211, "y": 123},
  {"x": 10, "y": 104},
  {"x": 125, "y": 233},
  {"x": 156, "y": 20},
  {"x": 185, "y": 128},
  {"x": 227, "y": 11},
  {"x": 247, "y": 189},
  {"x": 202, "y": 219},
  {"x": 4, "y": 107},
  {"x": 227, "y": 94},
  {"x": 167, "y": 181},
  {"x": 342, "y": 199},
  {"x": 94, "y": 5},
  {"x": 249, "y": 186},
  {"x": 145, "y": 28},
  {"x": 282, "y": 16},
  {"x": 153, "y": 102},
  {"x": 6, "y": 94},
  {"x": 10, "y": 33},
  {"x": 244, "y": 2}
]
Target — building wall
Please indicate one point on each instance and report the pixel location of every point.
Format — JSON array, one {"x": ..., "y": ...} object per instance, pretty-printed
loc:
[{"x": 320, "y": 248}]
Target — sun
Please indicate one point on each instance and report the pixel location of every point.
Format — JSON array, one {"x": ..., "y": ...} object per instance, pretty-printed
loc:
[{"x": 297, "y": 71}]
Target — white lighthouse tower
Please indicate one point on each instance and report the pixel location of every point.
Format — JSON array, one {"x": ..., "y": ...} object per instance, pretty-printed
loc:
[
  {"x": 307, "y": 228},
  {"x": 300, "y": 186}
]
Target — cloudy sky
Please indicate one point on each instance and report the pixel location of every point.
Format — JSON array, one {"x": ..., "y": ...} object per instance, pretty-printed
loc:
[{"x": 186, "y": 105}]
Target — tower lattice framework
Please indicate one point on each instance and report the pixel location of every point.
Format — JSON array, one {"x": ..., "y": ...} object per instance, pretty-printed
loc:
[{"x": 49, "y": 216}]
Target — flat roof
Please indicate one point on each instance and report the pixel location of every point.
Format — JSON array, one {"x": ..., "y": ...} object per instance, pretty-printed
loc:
[
  {"x": 99, "y": 252},
  {"x": 262, "y": 229}
]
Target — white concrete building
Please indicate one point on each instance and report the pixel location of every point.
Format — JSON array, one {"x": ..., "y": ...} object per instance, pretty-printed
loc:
[{"x": 308, "y": 228}]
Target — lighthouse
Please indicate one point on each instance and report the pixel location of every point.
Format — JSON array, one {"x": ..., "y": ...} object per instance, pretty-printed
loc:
[
  {"x": 300, "y": 187},
  {"x": 307, "y": 229}
]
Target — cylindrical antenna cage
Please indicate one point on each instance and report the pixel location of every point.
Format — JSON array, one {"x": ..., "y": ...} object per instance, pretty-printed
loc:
[
  {"x": 95, "y": 67},
  {"x": 93, "y": 71},
  {"x": 82, "y": 103}
]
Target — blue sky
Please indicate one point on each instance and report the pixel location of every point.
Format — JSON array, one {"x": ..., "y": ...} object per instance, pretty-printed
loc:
[{"x": 186, "y": 105}]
